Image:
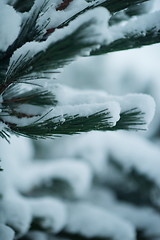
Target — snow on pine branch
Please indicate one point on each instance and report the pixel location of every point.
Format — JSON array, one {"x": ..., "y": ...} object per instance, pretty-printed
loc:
[
  {"x": 15, "y": 212},
  {"x": 29, "y": 30},
  {"x": 38, "y": 59},
  {"x": 69, "y": 176},
  {"x": 136, "y": 110},
  {"x": 76, "y": 111},
  {"x": 84, "y": 34},
  {"x": 66, "y": 120},
  {"x": 144, "y": 218},
  {"x": 136, "y": 169},
  {"x": 58, "y": 17},
  {"x": 137, "y": 32},
  {"x": 15, "y": 96},
  {"x": 146, "y": 151},
  {"x": 48, "y": 214},
  {"x": 91, "y": 221},
  {"x": 78, "y": 7},
  {"x": 42, "y": 18},
  {"x": 115, "y": 7}
]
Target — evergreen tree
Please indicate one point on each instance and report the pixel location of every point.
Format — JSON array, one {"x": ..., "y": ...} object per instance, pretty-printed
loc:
[{"x": 38, "y": 38}]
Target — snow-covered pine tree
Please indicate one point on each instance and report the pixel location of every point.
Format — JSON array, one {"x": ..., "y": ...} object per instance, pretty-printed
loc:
[
  {"x": 35, "y": 46},
  {"x": 38, "y": 38}
]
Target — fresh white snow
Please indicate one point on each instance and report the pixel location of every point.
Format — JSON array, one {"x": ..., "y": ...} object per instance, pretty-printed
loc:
[
  {"x": 6, "y": 233},
  {"x": 50, "y": 212},
  {"x": 10, "y": 25},
  {"x": 91, "y": 221}
]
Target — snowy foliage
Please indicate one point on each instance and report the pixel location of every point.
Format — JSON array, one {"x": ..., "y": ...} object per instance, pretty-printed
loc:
[
  {"x": 50, "y": 35},
  {"x": 96, "y": 186}
]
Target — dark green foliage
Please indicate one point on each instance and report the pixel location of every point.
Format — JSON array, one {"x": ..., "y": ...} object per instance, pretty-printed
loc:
[
  {"x": 56, "y": 55},
  {"x": 68, "y": 236},
  {"x": 114, "y": 6},
  {"x": 29, "y": 30},
  {"x": 141, "y": 236},
  {"x": 4, "y": 133},
  {"x": 130, "y": 41},
  {"x": 131, "y": 119},
  {"x": 134, "y": 10},
  {"x": 101, "y": 121},
  {"x": 23, "y": 5},
  {"x": 73, "y": 236},
  {"x": 135, "y": 184},
  {"x": 13, "y": 97},
  {"x": 52, "y": 187},
  {"x": 68, "y": 125}
]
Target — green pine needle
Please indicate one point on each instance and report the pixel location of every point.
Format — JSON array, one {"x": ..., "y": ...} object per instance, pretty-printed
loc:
[
  {"x": 130, "y": 41},
  {"x": 13, "y": 97},
  {"x": 29, "y": 29},
  {"x": 56, "y": 56},
  {"x": 132, "y": 119},
  {"x": 141, "y": 183},
  {"x": 113, "y": 6},
  {"x": 68, "y": 125}
]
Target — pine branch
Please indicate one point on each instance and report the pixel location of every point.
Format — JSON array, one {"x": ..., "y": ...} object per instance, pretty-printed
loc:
[
  {"x": 57, "y": 52},
  {"x": 138, "y": 9},
  {"x": 54, "y": 187},
  {"x": 4, "y": 132},
  {"x": 113, "y": 6},
  {"x": 29, "y": 29},
  {"x": 144, "y": 187},
  {"x": 131, "y": 120},
  {"x": 68, "y": 125},
  {"x": 14, "y": 97},
  {"x": 134, "y": 10},
  {"x": 130, "y": 42},
  {"x": 136, "y": 37}
]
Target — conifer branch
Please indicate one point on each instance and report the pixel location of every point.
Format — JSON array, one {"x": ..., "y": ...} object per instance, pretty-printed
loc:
[
  {"x": 134, "y": 34},
  {"x": 67, "y": 125},
  {"x": 132, "y": 119},
  {"x": 112, "y": 5},
  {"x": 14, "y": 97},
  {"x": 129, "y": 42},
  {"x": 29, "y": 29},
  {"x": 141, "y": 181},
  {"x": 56, "y": 55}
]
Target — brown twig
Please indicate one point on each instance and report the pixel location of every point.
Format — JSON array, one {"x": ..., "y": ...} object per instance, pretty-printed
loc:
[{"x": 63, "y": 5}]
